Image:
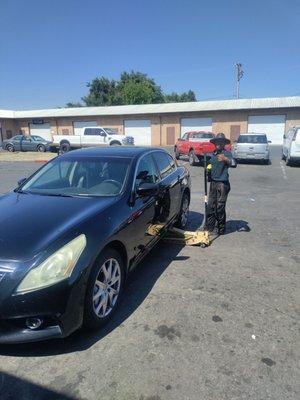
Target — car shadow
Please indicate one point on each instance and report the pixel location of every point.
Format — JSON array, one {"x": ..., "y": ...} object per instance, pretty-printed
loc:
[
  {"x": 255, "y": 162},
  {"x": 139, "y": 285},
  {"x": 12, "y": 387}
]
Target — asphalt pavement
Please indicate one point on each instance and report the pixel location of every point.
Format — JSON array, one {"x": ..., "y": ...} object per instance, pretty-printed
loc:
[{"x": 211, "y": 324}]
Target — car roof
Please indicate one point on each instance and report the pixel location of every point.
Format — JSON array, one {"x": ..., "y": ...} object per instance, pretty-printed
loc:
[
  {"x": 253, "y": 133},
  {"x": 112, "y": 151},
  {"x": 199, "y": 132}
]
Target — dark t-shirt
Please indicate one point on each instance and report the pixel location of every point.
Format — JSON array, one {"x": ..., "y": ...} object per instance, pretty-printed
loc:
[{"x": 219, "y": 171}]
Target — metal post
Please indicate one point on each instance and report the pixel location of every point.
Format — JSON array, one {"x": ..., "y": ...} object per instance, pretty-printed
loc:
[
  {"x": 239, "y": 75},
  {"x": 205, "y": 192}
]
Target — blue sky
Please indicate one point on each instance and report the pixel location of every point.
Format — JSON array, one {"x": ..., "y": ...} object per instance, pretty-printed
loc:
[{"x": 50, "y": 49}]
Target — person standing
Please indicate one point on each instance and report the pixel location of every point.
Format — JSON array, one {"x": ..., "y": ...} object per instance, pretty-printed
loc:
[{"x": 220, "y": 162}]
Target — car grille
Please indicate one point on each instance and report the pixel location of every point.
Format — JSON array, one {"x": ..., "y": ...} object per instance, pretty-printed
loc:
[{"x": 128, "y": 140}]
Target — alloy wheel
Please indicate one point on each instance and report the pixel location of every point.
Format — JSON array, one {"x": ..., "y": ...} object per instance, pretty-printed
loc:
[{"x": 106, "y": 288}]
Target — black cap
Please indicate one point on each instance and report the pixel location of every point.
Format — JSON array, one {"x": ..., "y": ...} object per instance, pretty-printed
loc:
[{"x": 220, "y": 139}]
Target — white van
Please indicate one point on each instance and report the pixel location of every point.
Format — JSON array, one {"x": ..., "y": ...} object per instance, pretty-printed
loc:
[{"x": 291, "y": 146}]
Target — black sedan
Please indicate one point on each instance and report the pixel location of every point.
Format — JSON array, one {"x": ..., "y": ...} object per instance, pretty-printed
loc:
[
  {"x": 73, "y": 231},
  {"x": 26, "y": 143}
]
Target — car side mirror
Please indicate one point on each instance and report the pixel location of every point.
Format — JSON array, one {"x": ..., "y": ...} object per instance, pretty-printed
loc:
[
  {"x": 180, "y": 139},
  {"x": 269, "y": 141},
  {"x": 146, "y": 189},
  {"x": 21, "y": 181}
]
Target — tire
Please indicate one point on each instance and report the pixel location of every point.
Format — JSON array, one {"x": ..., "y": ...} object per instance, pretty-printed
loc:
[
  {"x": 41, "y": 148},
  {"x": 95, "y": 317},
  {"x": 10, "y": 148},
  {"x": 192, "y": 158},
  {"x": 184, "y": 212},
  {"x": 115, "y": 143},
  {"x": 64, "y": 148},
  {"x": 177, "y": 154}
]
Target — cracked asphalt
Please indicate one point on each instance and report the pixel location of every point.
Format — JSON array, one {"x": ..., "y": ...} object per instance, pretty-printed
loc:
[{"x": 211, "y": 324}]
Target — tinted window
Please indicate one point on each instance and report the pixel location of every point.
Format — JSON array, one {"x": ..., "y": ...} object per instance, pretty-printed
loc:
[
  {"x": 165, "y": 162},
  {"x": 146, "y": 171},
  {"x": 17, "y": 137},
  {"x": 94, "y": 132},
  {"x": 99, "y": 176},
  {"x": 252, "y": 139},
  {"x": 38, "y": 139}
]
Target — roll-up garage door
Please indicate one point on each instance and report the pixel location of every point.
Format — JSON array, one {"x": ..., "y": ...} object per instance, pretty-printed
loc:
[
  {"x": 272, "y": 125},
  {"x": 42, "y": 130},
  {"x": 195, "y": 124},
  {"x": 80, "y": 125},
  {"x": 140, "y": 129}
]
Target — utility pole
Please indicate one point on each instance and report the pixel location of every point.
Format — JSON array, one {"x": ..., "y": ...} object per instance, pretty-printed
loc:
[{"x": 239, "y": 75}]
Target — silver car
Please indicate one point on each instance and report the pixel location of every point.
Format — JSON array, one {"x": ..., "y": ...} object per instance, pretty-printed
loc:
[{"x": 252, "y": 146}]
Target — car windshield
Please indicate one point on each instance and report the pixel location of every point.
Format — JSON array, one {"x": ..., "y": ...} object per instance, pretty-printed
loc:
[
  {"x": 111, "y": 131},
  {"x": 252, "y": 139},
  {"x": 38, "y": 139},
  {"x": 92, "y": 176}
]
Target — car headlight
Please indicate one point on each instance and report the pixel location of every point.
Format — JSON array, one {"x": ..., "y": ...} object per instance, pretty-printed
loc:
[{"x": 57, "y": 267}]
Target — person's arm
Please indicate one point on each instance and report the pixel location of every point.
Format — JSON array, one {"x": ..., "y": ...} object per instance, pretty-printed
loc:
[{"x": 228, "y": 159}]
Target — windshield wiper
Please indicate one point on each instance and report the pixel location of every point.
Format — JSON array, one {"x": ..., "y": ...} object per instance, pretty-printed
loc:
[{"x": 49, "y": 194}]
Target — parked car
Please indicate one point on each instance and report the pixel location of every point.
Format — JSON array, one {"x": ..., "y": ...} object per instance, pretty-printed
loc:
[
  {"x": 195, "y": 145},
  {"x": 72, "y": 232},
  {"x": 291, "y": 146},
  {"x": 26, "y": 143},
  {"x": 252, "y": 146},
  {"x": 91, "y": 137}
]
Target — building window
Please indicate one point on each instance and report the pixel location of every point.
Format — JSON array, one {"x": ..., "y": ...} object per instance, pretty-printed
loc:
[{"x": 65, "y": 131}]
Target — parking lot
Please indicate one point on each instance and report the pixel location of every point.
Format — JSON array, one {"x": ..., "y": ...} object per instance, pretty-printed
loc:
[{"x": 217, "y": 323}]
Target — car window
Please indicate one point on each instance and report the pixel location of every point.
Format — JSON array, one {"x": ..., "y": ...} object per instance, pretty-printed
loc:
[
  {"x": 37, "y": 138},
  {"x": 252, "y": 139},
  {"x": 17, "y": 137},
  {"x": 165, "y": 162},
  {"x": 146, "y": 171},
  {"x": 185, "y": 136},
  {"x": 94, "y": 132},
  {"x": 203, "y": 135}
]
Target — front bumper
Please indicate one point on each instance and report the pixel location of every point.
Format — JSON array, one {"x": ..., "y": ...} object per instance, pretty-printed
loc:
[
  {"x": 252, "y": 156},
  {"x": 59, "y": 306}
]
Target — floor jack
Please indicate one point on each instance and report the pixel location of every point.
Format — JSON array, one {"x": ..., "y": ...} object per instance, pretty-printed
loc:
[{"x": 188, "y": 238}]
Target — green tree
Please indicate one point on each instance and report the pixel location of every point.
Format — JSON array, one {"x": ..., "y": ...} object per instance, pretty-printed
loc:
[
  {"x": 137, "y": 88},
  {"x": 179, "y": 98},
  {"x": 72, "y": 105},
  {"x": 132, "y": 88},
  {"x": 102, "y": 92}
]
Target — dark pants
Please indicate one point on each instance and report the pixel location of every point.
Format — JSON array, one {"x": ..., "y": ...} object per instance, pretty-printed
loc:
[{"x": 216, "y": 207}]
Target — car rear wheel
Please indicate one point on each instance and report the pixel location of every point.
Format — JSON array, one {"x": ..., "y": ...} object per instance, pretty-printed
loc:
[
  {"x": 177, "y": 154},
  {"x": 184, "y": 212},
  {"x": 64, "y": 148},
  {"x": 41, "y": 148},
  {"x": 288, "y": 161},
  {"x": 104, "y": 289},
  {"x": 115, "y": 143},
  {"x": 192, "y": 158},
  {"x": 10, "y": 148}
]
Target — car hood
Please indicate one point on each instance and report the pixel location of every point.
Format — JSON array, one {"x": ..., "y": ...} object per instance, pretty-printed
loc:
[{"x": 30, "y": 222}]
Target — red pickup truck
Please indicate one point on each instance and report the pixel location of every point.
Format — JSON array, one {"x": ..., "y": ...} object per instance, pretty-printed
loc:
[{"x": 194, "y": 145}]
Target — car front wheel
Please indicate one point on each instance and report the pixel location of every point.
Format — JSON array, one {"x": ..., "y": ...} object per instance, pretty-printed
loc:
[
  {"x": 41, "y": 148},
  {"x": 104, "y": 289},
  {"x": 10, "y": 148},
  {"x": 184, "y": 212}
]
